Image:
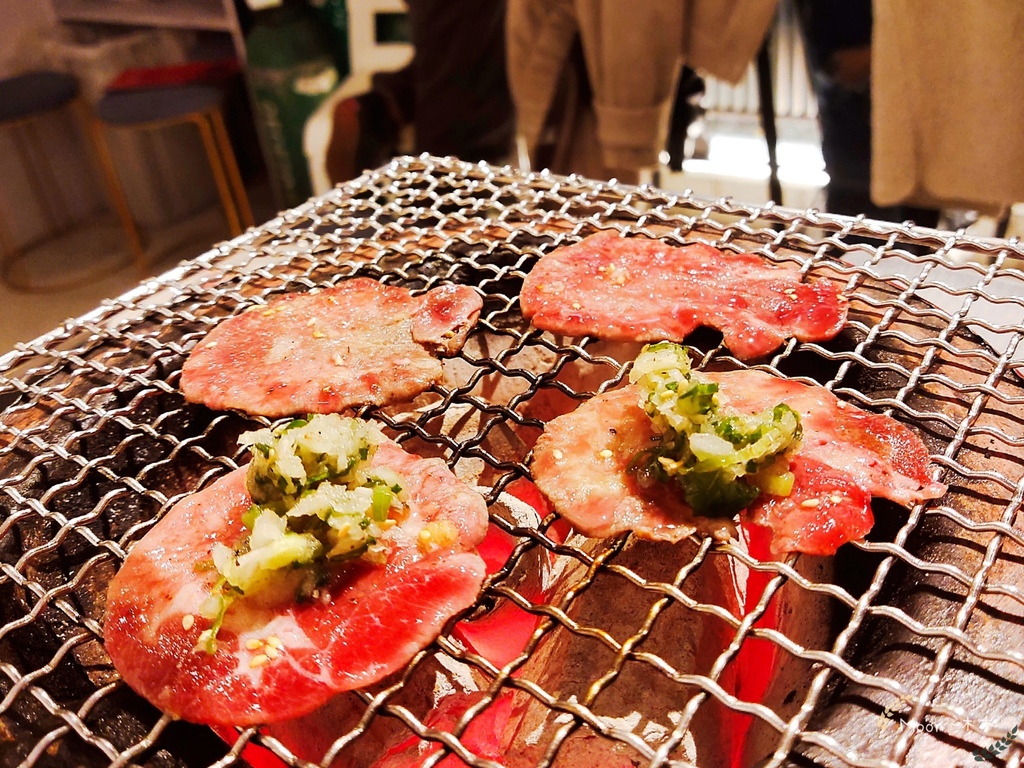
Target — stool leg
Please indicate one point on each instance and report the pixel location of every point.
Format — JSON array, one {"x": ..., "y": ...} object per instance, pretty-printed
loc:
[
  {"x": 10, "y": 254},
  {"x": 24, "y": 152},
  {"x": 200, "y": 119},
  {"x": 220, "y": 133},
  {"x": 94, "y": 128},
  {"x": 54, "y": 185}
]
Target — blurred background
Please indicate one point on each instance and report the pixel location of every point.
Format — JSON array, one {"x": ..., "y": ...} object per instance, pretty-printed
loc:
[{"x": 136, "y": 133}]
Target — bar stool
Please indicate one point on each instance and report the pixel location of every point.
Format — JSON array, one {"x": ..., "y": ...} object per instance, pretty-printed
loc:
[
  {"x": 24, "y": 99},
  {"x": 158, "y": 107}
]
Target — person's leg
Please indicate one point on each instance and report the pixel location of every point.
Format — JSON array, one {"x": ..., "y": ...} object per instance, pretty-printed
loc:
[
  {"x": 838, "y": 39},
  {"x": 454, "y": 92},
  {"x": 463, "y": 106}
]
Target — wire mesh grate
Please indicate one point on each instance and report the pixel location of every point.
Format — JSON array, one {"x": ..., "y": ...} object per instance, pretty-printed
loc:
[{"x": 904, "y": 649}]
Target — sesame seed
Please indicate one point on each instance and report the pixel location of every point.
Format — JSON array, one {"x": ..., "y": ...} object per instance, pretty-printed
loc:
[
  {"x": 809, "y": 503},
  {"x": 275, "y": 642},
  {"x": 312, "y": 321},
  {"x": 188, "y": 621},
  {"x": 267, "y": 312},
  {"x": 258, "y": 660},
  {"x": 253, "y": 644},
  {"x": 318, "y": 334},
  {"x": 575, "y": 305},
  {"x": 211, "y": 345},
  {"x": 337, "y": 360},
  {"x": 835, "y": 498},
  {"x": 605, "y": 454},
  {"x": 557, "y": 454}
]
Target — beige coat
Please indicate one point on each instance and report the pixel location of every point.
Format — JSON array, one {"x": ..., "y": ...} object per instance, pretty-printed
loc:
[
  {"x": 634, "y": 50},
  {"x": 948, "y": 103}
]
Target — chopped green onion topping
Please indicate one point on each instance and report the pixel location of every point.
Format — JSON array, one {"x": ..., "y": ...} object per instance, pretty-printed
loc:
[
  {"x": 381, "y": 503},
  {"x": 721, "y": 461},
  {"x": 250, "y": 515},
  {"x": 317, "y": 503},
  {"x": 215, "y": 607}
]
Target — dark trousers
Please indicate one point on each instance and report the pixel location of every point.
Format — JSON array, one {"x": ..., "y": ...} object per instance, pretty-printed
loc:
[
  {"x": 844, "y": 110},
  {"x": 455, "y": 92}
]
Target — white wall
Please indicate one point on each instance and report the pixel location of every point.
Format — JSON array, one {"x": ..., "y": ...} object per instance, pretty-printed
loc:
[
  {"x": 21, "y": 19},
  {"x": 56, "y": 137},
  {"x": 164, "y": 172}
]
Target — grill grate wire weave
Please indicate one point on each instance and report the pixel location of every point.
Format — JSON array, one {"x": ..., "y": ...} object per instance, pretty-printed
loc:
[{"x": 921, "y": 662}]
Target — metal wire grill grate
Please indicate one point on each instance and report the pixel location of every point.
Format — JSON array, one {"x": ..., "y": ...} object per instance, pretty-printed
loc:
[{"x": 905, "y": 649}]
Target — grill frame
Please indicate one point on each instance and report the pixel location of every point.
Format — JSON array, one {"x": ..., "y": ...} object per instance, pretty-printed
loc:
[{"x": 420, "y": 222}]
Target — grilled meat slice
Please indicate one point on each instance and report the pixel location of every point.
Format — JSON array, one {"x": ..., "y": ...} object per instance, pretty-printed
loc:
[
  {"x": 279, "y": 660},
  {"x": 582, "y": 463},
  {"x": 358, "y": 343},
  {"x": 641, "y": 289}
]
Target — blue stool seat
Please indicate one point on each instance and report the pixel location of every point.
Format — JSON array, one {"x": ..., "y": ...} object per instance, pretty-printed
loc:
[
  {"x": 34, "y": 93},
  {"x": 158, "y": 106},
  {"x": 151, "y": 105}
]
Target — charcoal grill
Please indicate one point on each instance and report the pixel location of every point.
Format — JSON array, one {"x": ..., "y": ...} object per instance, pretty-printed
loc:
[{"x": 923, "y": 662}]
